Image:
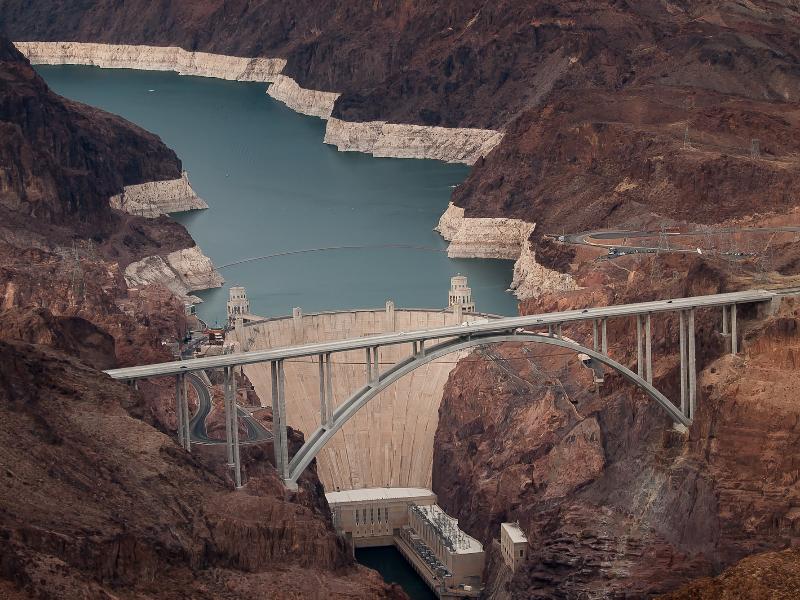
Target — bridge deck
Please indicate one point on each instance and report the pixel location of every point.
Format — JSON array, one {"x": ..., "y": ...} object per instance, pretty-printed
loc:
[{"x": 508, "y": 324}]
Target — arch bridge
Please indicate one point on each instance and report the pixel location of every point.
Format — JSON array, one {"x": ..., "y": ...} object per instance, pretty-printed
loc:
[{"x": 430, "y": 344}]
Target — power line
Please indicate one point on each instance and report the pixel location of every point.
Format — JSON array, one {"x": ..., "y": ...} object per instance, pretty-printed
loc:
[{"x": 328, "y": 248}]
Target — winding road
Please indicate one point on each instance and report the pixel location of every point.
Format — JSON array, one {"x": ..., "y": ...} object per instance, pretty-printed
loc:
[
  {"x": 256, "y": 432},
  {"x": 600, "y": 239}
]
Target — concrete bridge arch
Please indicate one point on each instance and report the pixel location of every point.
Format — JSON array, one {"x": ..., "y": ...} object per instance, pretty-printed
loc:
[{"x": 361, "y": 397}]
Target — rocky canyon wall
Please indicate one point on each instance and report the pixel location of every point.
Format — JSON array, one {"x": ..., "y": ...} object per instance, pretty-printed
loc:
[
  {"x": 97, "y": 500},
  {"x": 463, "y": 145},
  {"x": 501, "y": 238},
  {"x": 182, "y": 271},
  {"x": 152, "y": 58},
  {"x": 379, "y": 138}
]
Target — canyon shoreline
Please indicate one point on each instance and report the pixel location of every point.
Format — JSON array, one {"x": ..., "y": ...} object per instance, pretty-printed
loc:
[
  {"x": 468, "y": 237},
  {"x": 316, "y": 103},
  {"x": 156, "y": 198}
]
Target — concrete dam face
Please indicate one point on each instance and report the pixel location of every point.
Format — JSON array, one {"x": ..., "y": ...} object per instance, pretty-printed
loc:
[{"x": 389, "y": 442}]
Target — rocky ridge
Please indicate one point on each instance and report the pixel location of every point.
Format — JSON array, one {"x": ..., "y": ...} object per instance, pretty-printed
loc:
[
  {"x": 182, "y": 272},
  {"x": 463, "y": 145},
  {"x": 612, "y": 114}
]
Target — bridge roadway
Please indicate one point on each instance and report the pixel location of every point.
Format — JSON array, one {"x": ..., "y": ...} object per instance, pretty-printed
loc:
[
  {"x": 256, "y": 432},
  {"x": 509, "y": 324},
  {"x": 456, "y": 339}
]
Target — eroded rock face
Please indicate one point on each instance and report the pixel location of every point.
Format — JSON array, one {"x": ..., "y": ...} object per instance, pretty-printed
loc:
[
  {"x": 156, "y": 198},
  {"x": 499, "y": 237},
  {"x": 152, "y": 58},
  {"x": 614, "y": 501},
  {"x": 182, "y": 271},
  {"x": 112, "y": 506},
  {"x": 379, "y": 138}
]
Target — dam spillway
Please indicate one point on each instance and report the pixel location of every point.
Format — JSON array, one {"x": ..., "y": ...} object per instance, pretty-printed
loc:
[{"x": 389, "y": 442}]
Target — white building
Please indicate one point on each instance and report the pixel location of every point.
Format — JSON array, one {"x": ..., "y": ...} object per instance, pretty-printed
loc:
[
  {"x": 513, "y": 544},
  {"x": 372, "y": 516},
  {"x": 448, "y": 559},
  {"x": 460, "y": 294},
  {"x": 238, "y": 304}
]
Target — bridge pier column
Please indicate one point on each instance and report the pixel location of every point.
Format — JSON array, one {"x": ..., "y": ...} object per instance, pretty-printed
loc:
[
  {"x": 648, "y": 348},
  {"x": 682, "y": 337},
  {"x": 368, "y": 362},
  {"x": 279, "y": 419},
  {"x": 734, "y": 332},
  {"x": 179, "y": 410},
  {"x": 558, "y": 331},
  {"x": 323, "y": 404},
  {"x": 604, "y": 342},
  {"x": 595, "y": 339},
  {"x": 325, "y": 391},
  {"x": 550, "y": 330},
  {"x": 724, "y": 320},
  {"x": 692, "y": 366},
  {"x": 328, "y": 391},
  {"x": 376, "y": 368},
  {"x": 232, "y": 426},
  {"x": 639, "y": 347},
  {"x": 228, "y": 389},
  {"x": 187, "y": 435}
]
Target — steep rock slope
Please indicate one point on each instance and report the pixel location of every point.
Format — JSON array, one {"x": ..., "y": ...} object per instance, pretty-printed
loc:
[
  {"x": 616, "y": 113},
  {"x": 615, "y": 502},
  {"x": 769, "y": 575},
  {"x": 97, "y": 500},
  {"x": 112, "y": 506}
]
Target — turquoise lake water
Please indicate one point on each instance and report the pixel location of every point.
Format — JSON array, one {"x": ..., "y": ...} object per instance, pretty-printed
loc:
[
  {"x": 393, "y": 567},
  {"x": 273, "y": 186}
]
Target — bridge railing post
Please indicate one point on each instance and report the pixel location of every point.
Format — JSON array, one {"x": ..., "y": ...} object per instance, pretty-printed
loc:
[{"x": 279, "y": 419}]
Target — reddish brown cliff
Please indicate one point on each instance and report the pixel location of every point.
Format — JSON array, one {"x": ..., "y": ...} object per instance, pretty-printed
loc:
[
  {"x": 616, "y": 113},
  {"x": 97, "y": 503},
  {"x": 615, "y": 502},
  {"x": 768, "y": 575}
]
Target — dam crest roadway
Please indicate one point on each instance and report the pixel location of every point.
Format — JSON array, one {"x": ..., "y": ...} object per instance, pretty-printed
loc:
[{"x": 413, "y": 350}]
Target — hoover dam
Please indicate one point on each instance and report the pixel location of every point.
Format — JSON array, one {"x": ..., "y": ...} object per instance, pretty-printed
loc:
[{"x": 389, "y": 443}]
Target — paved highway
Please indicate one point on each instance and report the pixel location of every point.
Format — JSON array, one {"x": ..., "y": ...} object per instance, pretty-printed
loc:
[
  {"x": 499, "y": 325},
  {"x": 256, "y": 432},
  {"x": 594, "y": 238}
]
